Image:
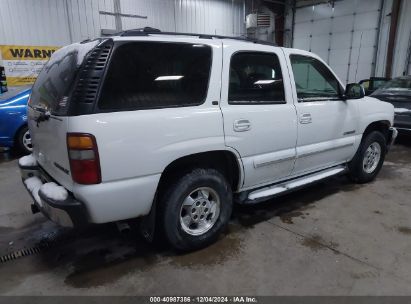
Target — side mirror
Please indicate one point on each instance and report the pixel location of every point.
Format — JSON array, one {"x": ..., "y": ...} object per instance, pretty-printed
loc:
[{"x": 354, "y": 91}]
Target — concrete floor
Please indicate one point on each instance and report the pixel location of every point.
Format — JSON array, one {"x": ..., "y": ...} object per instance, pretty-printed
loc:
[{"x": 335, "y": 238}]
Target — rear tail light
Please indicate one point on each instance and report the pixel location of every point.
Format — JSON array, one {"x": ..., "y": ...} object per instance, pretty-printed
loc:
[{"x": 84, "y": 160}]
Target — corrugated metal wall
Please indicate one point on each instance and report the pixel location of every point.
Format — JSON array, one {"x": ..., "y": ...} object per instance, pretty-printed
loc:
[
  {"x": 194, "y": 16},
  {"x": 33, "y": 22},
  {"x": 59, "y": 22}
]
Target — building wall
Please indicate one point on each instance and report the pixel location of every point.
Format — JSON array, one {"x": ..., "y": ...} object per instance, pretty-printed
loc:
[
  {"x": 383, "y": 39},
  {"x": 401, "y": 64},
  {"x": 33, "y": 22},
  {"x": 60, "y": 22}
]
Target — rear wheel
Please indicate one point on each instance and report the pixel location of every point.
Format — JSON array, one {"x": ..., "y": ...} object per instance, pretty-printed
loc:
[
  {"x": 369, "y": 158},
  {"x": 195, "y": 209},
  {"x": 23, "y": 140}
]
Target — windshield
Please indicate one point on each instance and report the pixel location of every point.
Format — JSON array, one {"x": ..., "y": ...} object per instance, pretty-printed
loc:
[
  {"x": 378, "y": 83},
  {"x": 397, "y": 86},
  {"x": 52, "y": 88}
]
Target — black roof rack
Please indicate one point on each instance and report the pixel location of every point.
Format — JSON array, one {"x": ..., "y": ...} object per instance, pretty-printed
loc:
[{"x": 146, "y": 31}]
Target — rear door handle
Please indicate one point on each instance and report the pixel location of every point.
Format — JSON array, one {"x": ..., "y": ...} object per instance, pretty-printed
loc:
[
  {"x": 305, "y": 118},
  {"x": 241, "y": 125}
]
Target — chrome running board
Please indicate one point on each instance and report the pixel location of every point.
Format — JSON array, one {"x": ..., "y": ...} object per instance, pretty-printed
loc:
[{"x": 293, "y": 184}]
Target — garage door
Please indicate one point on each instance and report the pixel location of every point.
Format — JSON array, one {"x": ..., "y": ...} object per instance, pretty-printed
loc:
[{"x": 344, "y": 34}]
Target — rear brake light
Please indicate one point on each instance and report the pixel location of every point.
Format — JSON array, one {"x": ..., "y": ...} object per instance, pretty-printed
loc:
[{"x": 84, "y": 160}]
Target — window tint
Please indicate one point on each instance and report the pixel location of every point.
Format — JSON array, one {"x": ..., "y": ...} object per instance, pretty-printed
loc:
[
  {"x": 313, "y": 80},
  {"x": 398, "y": 89},
  {"x": 145, "y": 75},
  {"x": 255, "y": 78},
  {"x": 54, "y": 83}
]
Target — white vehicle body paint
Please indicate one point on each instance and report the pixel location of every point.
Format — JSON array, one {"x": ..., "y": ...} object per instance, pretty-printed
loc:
[{"x": 271, "y": 143}]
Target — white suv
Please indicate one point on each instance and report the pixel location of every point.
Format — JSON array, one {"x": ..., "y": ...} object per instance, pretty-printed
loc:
[{"x": 173, "y": 128}]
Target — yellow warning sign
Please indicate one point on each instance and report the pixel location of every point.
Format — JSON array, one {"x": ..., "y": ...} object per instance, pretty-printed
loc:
[{"x": 22, "y": 64}]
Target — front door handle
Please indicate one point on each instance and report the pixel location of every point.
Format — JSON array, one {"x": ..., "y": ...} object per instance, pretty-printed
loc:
[
  {"x": 305, "y": 118},
  {"x": 242, "y": 125}
]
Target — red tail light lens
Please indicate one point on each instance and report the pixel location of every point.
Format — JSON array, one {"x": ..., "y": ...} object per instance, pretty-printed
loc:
[{"x": 84, "y": 160}]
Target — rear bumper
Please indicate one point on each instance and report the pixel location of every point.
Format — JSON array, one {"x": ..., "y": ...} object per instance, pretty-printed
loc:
[{"x": 68, "y": 212}]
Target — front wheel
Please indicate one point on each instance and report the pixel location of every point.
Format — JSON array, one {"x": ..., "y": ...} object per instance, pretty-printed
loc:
[
  {"x": 369, "y": 158},
  {"x": 196, "y": 209}
]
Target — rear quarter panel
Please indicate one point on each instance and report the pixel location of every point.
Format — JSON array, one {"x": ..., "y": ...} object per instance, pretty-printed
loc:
[
  {"x": 140, "y": 143},
  {"x": 134, "y": 149}
]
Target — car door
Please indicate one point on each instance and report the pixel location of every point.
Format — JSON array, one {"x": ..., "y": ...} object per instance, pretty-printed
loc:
[
  {"x": 259, "y": 116},
  {"x": 327, "y": 124}
]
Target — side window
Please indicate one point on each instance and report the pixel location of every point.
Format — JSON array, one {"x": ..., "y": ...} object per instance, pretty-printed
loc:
[
  {"x": 255, "y": 78},
  {"x": 313, "y": 80},
  {"x": 147, "y": 75}
]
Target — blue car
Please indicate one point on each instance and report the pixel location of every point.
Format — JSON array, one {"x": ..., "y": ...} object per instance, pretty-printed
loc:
[{"x": 13, "y": 119}]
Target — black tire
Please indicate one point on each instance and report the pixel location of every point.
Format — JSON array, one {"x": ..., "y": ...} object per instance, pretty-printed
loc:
[
  {"x": 356, "y": 167},
  {"x": 20, "y": 138},
  {"x": 171, "y": 208}
]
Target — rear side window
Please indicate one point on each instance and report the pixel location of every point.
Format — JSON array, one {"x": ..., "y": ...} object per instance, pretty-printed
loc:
[
  {"x": 146, "y": 75},
  {"x": 255, "y": 78},
  {"x": 52, "y": 88},
  {"x": 313, "y": 80}
]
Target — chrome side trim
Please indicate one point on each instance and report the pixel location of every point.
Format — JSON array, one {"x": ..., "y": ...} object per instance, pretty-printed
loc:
[
  {"x": 271, "y": 158},
  {"x": 272, "y": 162},
  {"x": 324, "y": 150}
]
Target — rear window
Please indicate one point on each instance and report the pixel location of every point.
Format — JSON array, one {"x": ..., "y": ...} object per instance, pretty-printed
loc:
[
  {"x": 146, "y": 75},
  {"x": 52, "y": 87}
]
